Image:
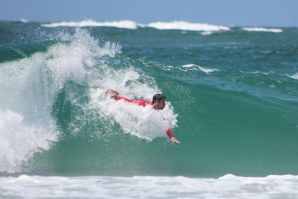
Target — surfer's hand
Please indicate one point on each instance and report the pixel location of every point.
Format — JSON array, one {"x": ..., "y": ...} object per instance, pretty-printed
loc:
[{"x": 174, "y": 140}]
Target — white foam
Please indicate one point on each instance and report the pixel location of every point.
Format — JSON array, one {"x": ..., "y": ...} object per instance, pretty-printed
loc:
[
  {"x": 26, "y": 124},
  {"x": 294, "y": 76},
  {"x": 142, "y": 122},
  {"x": 188, "y": 65},
  {"x": 118, "y": 24},
  {"x": 175, "y": 25},
  {"x": 260, "y": 29},
  {"x": 19, "y": 139},
  {"x": 183, "y": 25},
  {"x": 229, "y": 186},
  {"x": 24, "y": 20},
  {"x": 201, "y": 68},
  {"x": 207, "y": 33},
  {"x": 208, "y": 70}
]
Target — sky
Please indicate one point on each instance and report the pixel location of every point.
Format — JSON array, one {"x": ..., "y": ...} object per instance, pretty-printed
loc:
[{"x": 273, "y": 13}]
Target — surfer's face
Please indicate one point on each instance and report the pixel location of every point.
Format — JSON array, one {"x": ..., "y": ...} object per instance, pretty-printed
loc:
[{"x": 160, "y": 104}]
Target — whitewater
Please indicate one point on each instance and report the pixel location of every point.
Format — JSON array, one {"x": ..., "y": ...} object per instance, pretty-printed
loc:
[{"x": 231, "y": 100}]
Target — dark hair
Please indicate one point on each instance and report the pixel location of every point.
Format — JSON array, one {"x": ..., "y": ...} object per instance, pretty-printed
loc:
[{"x": 158, "y": 97}]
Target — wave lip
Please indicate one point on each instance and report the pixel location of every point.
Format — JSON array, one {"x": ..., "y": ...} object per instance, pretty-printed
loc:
[
  {"x": 183, "y": 25},
  {"x": 260, "y": 29},
  {"x": 117, "y": 24}
]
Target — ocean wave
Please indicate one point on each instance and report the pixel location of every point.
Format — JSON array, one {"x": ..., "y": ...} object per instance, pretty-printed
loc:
[
  {"x": 207, "y": 29},
  {"x": 260, "y": 29},
  {"x": 86, "y": 23},
  {"x": 183, "y": 25},
  {"x": 30, "y": 87}
]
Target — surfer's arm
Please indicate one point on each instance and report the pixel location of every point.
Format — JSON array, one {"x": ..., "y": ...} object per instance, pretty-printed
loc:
[
  {"x": 139, "y": 102},
  {"x": 119, "y": 97},
  {"x": 171, "y": 136}
]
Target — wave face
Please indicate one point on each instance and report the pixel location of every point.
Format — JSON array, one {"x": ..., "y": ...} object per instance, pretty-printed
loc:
[{"x": 231, "y": 100}]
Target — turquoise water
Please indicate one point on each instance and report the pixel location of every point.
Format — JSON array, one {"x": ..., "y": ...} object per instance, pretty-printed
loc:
[{"x": 232, "y": 101}]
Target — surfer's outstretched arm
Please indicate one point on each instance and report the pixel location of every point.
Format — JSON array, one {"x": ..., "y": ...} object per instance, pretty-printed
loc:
[{"x": 171, "y": 136}]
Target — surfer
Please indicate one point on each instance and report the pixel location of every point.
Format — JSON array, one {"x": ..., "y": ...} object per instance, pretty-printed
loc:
[{"x": 158, "y": 103}]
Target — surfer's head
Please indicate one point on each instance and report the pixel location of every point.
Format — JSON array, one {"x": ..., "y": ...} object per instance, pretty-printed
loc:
[
  {"x": 159, "y": 101},
  {"x": 111, "y": 93}
]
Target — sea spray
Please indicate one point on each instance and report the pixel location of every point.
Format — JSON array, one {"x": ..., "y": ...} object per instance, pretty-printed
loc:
[
  {"x": 25, "y": 112},
  {"x": 28, "y": 89}
]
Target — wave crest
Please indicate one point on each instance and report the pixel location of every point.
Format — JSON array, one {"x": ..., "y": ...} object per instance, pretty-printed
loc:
[
  {"x": 86, "y": 23},
  {"x": 127, "y": 24},
  {"x": 260, "y": 29},
  {"x": 183, "y": 25}
]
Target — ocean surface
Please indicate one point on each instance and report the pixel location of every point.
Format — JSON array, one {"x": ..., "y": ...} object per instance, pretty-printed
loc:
[{"x": 232, "y": 102}]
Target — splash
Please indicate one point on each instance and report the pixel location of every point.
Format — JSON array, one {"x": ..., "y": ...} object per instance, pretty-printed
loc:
[
  {"x": 139, "y": 121},
  {"x": 28, "y": 90}
]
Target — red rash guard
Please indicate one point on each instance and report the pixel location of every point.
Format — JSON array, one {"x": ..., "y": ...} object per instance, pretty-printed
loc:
[
  {"x": 142, "y": 103},
  {"x": 139, "y": 102}
]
